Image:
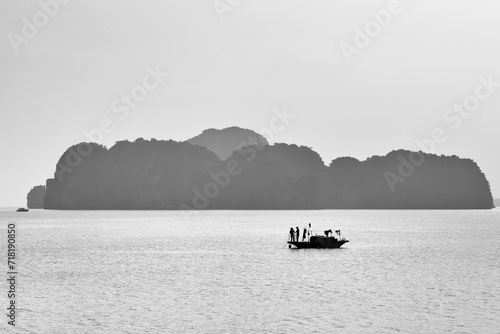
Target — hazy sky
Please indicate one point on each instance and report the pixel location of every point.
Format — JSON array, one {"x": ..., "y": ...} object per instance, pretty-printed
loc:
[{"x": 232, "y": 62}]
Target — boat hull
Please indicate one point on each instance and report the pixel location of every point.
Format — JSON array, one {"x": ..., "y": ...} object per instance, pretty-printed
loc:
[{"x": 319, "y": 242}]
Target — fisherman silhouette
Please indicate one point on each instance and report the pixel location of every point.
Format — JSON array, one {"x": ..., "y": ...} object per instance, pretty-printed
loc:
[
  {"x": 304, "y": 234},
  {"x": 298, "y": 234},
  {"x": 292, "y": 235}
]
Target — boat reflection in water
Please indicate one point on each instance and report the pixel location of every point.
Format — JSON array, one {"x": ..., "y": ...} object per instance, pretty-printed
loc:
[{"x": 328, "y": 240}]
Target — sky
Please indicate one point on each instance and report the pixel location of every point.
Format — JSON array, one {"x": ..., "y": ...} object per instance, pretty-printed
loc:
[{"x": 357, "y": 78}]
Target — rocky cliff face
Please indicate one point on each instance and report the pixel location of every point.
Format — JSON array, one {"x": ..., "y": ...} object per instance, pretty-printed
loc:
[
  {"x": 407, "y": 180},
  {"x": 35, "y": 197},
  {"x": 130, "y": 175},
  {"x": 178, "y": 175}
]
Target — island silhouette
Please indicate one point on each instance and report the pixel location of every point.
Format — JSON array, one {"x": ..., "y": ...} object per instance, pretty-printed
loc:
[
  {"x": 35, "y": 197},
  {"x": 191, "y": 175},
  {"x": 224, "y": 142}
]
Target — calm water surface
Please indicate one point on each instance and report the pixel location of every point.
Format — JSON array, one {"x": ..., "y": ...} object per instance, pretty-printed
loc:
[{"x": 231, "y": 272}]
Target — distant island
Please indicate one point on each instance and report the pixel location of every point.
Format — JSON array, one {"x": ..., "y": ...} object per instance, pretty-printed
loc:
[
  {"x": 170, "y": 175},
  {"x": 225, "y": 141}
]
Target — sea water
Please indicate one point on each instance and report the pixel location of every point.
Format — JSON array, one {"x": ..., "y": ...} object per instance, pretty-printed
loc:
[{"x": 232, "y": 272}]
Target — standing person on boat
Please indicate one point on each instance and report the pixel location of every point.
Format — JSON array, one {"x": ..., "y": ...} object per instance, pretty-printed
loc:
[
  {"x": 292, "y": 235},
  {"x": 304, "y": 234},
  {"x": 298, "y": 234}
]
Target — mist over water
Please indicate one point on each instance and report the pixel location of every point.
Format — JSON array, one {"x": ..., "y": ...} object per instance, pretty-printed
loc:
[{"x": 231, "y": 272}]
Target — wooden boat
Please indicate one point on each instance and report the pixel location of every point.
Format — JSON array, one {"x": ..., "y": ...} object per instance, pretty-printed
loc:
[
  {"x": 23, "y": 210},
  {"x": 321, "y": 241}
]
